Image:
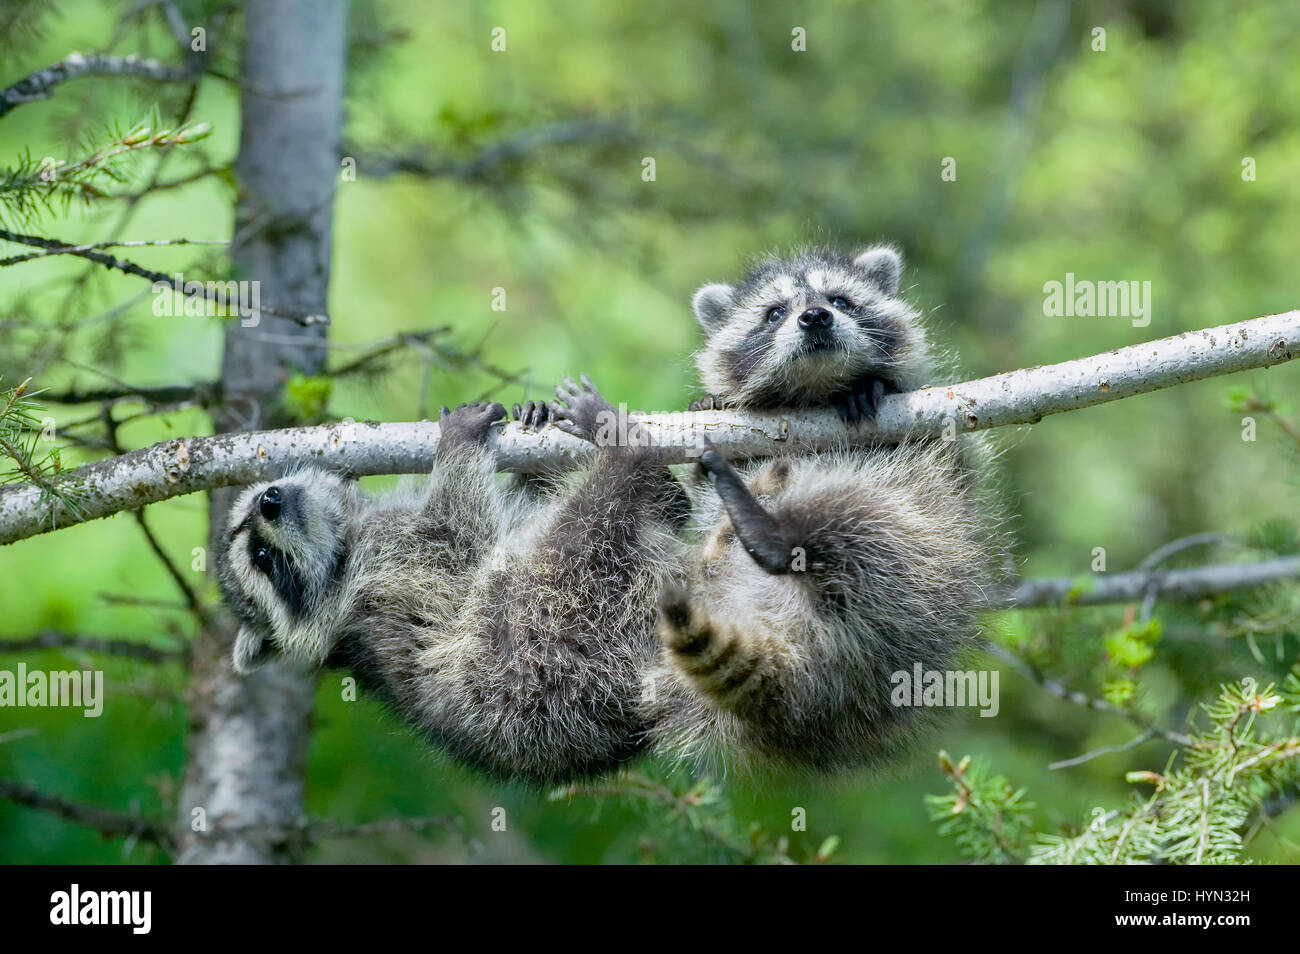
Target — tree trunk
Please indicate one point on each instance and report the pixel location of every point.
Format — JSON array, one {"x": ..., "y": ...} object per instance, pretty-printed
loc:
[{"x": 248, "y": 736}]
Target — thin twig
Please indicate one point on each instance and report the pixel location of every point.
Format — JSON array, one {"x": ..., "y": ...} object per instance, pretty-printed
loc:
[
  {"x": 131, "y": 268},
  {"x": 1062, "y": 691},
  {"x": 108, "y": 823},
  {"x": 334, "y": 829},
  {"x": 78, "y": 249},
  {"x": 1146, "y": 735},
  {"x": 120, "y": 825},
  {"x": 177, "y": 183},
  {"x": 202, "y": 393},
  {"x": 492, "y": 157},
  {"x": 187, "y": 592},
  {"x": 40, "y": 85},
  {"x": 122, "y": 648}
]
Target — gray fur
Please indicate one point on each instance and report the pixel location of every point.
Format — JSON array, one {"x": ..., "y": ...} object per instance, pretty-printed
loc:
[
  {"x": 513, "y": 628},
  {"x": 749, "y": 360},
  {"x": 883, "y": 266},
  {"x": 519, "y": 629},
  {"x": 890, "y": 547},
  {"x": 711, "y": 305}
]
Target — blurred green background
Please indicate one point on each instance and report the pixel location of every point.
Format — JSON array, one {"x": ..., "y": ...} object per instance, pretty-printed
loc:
[{"x": 1117, "y": 165}]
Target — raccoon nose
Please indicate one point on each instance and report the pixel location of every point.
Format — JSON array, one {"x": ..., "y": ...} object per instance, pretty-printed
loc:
[
  {"x": 270, "y": 503},
  {"x": 814, "y": 318}
]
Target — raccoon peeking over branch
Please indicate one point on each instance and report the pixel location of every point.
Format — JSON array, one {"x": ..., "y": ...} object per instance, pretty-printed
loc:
[
  {"x": 816, "y": 328},
  {"x": 820, "y": 574}
]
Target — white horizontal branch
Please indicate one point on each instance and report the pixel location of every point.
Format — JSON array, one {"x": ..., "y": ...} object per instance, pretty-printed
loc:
[{"x": 187, "y": 465}]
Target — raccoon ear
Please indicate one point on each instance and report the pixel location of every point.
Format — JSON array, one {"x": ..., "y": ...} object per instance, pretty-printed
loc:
[
  {"x": 711, "y": 304},
  {"x": 251, "y": 651},
  {"x": 883, "y": 266}
]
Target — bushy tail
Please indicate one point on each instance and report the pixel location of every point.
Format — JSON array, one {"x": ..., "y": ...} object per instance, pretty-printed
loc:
[{"x": 738, "y": 669}]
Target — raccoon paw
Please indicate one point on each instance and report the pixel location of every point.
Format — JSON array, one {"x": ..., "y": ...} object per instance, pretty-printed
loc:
[
  {"x": 533, "y": 415},
  {"x": 580, "y": 409},
  {"x": 468, "y": 425},
  {"x": 709, "y": 402},
  {"x": 861, "y": 400},
  {"x": 713, "y": 463},
  {"x": 762, "y": 535}
]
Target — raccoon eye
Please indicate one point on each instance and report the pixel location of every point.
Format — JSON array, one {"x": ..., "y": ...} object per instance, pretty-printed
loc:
[
  {"x": 262, "y": 559},
  {"x": 775, "y": 314},
  {"x": 842, "y": 303},
  {"x": 270, "y": 503}
]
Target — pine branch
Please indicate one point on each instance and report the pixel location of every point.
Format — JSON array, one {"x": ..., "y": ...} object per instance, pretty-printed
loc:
[
  {"x": 184, "y": 466},
  {"x": 989, "y": 819},
  {"x": 41, "y": 84},
  {"x": 698, "y": 809},
  {"x": 30, "y": 184},
  {"x": 687, "y": 806},
  {"x": 1198, "y": 813},
  {"x": 20, "y": 440}
]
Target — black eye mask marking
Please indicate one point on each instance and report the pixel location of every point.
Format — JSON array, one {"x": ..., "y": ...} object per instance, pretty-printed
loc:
[
  {"x": 279, "y": 569},
  {"x": 235, "y": 594}
]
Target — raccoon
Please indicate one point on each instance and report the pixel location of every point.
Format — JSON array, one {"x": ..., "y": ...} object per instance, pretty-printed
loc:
[
  {"x": 822, "y": 573},
  {"x": 812, "y": 329},
  {"x": 513, "y": 628}
]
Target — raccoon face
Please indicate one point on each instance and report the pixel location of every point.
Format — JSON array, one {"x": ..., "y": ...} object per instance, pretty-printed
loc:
[
  {"x": 798, "y": 330},
  {"x": 283, "y": 555}
]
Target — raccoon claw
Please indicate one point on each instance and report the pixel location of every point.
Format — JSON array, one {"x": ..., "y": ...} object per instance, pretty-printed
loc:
[
  {"x": 468, "y": 424},
  {"x": 580, "y": 410},
  {"x": 861, "y": 401},
  {"x": 713, "y": 463},
  {"x": 707, "y": 403},
  {"x": 533, "y": 415}
]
